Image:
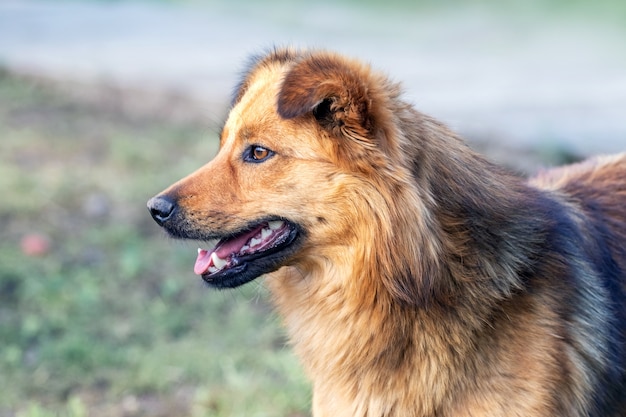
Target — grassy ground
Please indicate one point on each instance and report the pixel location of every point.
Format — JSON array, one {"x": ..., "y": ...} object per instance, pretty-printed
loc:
[{"x": 100, "y": 315}]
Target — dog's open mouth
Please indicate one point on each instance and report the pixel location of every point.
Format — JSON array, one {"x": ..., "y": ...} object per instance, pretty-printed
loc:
[{"x": 236, "y": 259}]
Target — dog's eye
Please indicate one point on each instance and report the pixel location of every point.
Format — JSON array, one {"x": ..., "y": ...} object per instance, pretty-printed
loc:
[
  {"x": 259, "y": 153},
  {"x": 256, "y": 153}
]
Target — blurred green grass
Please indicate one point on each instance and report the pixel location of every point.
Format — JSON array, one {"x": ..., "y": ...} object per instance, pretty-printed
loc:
[
  {"x": 109, "y": 320},
  {"x": 614, "y": 10},
  {"x": 605, "y": 11}
]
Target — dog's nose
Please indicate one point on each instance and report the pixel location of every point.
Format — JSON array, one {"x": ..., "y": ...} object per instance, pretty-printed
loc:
[{"x": 161, "y": 208}]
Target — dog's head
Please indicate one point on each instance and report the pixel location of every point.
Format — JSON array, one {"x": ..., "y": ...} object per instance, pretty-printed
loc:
[{"x": 302, "y": 156}]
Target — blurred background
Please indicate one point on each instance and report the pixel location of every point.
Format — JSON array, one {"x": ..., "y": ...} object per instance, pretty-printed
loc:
[{"x": 105, "y": 103}]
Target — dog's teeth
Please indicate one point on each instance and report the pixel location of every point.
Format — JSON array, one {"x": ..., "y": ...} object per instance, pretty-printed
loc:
[
  {"x": 277, "y": 224},
  {"x": 199, "y": 250},
  {"x": 265, "y": 233},
  {"x": 254, "y": 242},
  {"x": 218, "y": 262}
]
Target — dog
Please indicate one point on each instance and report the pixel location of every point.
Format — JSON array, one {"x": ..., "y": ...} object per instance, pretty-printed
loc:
[{"x": 415, "y": 277}]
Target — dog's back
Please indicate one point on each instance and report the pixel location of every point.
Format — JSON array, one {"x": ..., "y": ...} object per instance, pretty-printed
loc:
[
  {"x": 597, "y": 187},
  {"x": 595, "y": 192}
]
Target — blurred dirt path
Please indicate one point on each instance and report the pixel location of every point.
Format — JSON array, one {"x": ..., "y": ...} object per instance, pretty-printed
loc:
[{"x": 526, "y": 79}]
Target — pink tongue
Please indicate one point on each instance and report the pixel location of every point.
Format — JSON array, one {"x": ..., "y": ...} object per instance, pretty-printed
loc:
[
  {"x": 202, "y": 262},
  {"x": 235, "y": 245}
]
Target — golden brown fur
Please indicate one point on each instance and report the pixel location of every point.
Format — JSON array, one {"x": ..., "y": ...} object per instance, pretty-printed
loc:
[{"x": 425, "y": 281}]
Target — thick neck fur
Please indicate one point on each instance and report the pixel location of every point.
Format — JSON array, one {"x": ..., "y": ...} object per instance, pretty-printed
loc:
[
  {"x": 444, "y": 242},
  {"x": 485, "y": 215}
]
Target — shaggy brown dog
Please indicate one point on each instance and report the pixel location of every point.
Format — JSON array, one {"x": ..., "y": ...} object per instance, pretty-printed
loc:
[{"x": 415, "y": 278}]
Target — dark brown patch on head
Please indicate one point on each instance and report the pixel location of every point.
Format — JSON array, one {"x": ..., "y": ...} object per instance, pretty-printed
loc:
[
  {"x": 346, "y": 98},
  {"x": 332, "y": 88}
]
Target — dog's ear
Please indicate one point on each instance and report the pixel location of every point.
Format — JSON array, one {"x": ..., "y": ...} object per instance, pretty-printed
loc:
[{"x": 331, "y": 88}]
